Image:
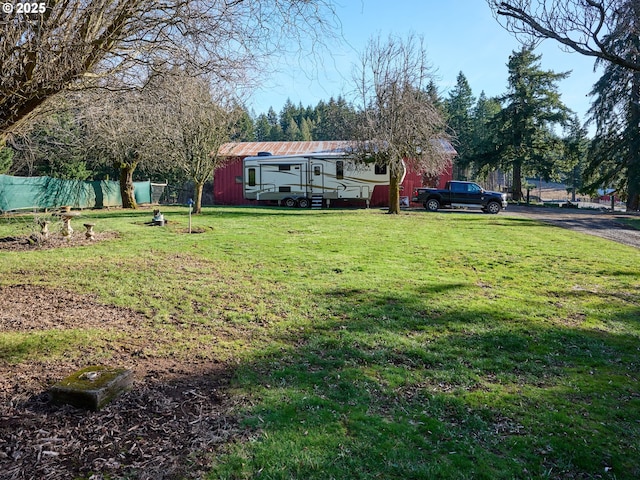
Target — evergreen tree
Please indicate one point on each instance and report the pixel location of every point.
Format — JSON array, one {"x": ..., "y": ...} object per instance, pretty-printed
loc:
[
  {"x": 244, "y": 129},
  {"x": 484, "y": 141},
  {"x": 576, "y": 146},
  {"x": 288, "y": 113},
  {"x": 272, "y": 117},
  {"x": 262, "y": 128},
  {"x": 335, "y": 120},
  {"x": 276, "y": 134},
  {"x": 459, "y": 108},
  {"x": 434, "y": 96},
  {"x": 306, "y": 128},
  {"x": 526, "y": 143},
  {"x": 292, "y": 132},
  {"x": 615, "y": 152}
]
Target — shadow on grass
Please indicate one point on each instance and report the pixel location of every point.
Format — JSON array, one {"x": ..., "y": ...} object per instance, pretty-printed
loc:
[{"x": 385, "y": 387}]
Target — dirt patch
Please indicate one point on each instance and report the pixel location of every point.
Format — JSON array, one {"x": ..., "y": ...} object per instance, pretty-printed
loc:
[
  {"x": 36, "y": 241},
  {"x": 592, "y": 222},
  {"x": 28, "y": 308},
  {"x": 166, "y": 427}
]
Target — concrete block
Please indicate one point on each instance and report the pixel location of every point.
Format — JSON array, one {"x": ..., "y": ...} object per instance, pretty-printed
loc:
[{"x": 92, "y": 387}]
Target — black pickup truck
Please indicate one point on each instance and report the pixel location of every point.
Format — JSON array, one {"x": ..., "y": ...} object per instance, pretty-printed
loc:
[{"x": 461, "y": 194}]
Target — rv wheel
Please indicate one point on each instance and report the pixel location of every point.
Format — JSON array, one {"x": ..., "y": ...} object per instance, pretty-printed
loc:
[
  {"x": 290, "y": 202},
  {"x": 303, "y": 202}
]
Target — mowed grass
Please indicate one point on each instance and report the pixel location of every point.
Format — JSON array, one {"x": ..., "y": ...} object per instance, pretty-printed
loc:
[{"x": 449, "y": 345}]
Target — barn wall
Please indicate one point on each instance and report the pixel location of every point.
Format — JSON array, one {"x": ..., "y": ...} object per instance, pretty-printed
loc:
[
  {"x": 380, "y": 197},
  {"x": 445, "y": 176},
  {"x": 226, "y": 190}
]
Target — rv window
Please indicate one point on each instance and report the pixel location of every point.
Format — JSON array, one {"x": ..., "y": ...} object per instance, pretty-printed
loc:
[
  {"x": 339, "y": 169},
  {"x": 381, "y": 169},
  {"x": 284, "y": 189},
  {"x": 316, "y": 170},
  {"x": 284, "y": 167},
  {"x": 252, "y": 177}
]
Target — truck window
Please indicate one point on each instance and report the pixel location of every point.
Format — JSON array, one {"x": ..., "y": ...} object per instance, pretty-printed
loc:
[
  {"x": 458, "y": 187},
  {"x": 339, "y": 169},
  {"x": 252, "y": 177}
]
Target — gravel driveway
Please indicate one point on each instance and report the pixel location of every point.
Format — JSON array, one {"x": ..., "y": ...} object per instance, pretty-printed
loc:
[{"x": 602, "y": 224}]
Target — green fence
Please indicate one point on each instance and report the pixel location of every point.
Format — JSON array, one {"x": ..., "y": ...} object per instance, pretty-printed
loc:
[{"x": 19, "y": 193}]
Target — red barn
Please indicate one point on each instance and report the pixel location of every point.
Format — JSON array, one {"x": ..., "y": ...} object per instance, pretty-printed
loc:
[{"x": 227, "y": 184}]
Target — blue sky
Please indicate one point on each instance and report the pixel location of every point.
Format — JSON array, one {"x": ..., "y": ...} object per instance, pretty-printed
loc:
[{"x": 461, "y": 35}]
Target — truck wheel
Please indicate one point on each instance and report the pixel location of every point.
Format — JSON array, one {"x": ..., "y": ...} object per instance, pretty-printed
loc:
[
  {"x": 493, "y": 207},
  {"x": 303, "y": 202},
  {"x": 432, "y": 205},
  {"x": 290, "y": 202}
]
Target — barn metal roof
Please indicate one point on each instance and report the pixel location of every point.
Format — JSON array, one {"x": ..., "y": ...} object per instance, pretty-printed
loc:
[{"x": 250, "y": 149}]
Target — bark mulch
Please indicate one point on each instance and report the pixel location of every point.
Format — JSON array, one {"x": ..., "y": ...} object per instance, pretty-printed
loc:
[{"x": 168, "y": 426}]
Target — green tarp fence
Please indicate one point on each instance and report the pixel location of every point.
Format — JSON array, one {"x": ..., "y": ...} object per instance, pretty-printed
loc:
[{"x": 19, "y": 193}]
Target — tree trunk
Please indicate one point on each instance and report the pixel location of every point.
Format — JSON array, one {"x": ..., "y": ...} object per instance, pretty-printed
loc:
[
  {"x": 516, "y": 188},
  {"x": 197, "y": 197},
  {"x": 633, "y": 167},
  {"x": 126, "y": 185},
  {"x": 394, "y": 190}
]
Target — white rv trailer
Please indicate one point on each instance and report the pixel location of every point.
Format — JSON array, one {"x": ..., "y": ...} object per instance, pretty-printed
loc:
[{"x": 302, "y": 180}]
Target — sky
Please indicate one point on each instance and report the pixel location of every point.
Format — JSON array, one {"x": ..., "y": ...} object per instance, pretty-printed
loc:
[{"x": 460, "y": 35}]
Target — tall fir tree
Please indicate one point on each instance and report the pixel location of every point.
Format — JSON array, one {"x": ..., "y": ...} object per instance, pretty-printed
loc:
[
  {"x": 434, "y": 96},
  {"x": 289, "y": 112},
  {"x": 262, "y": 128},
  {"x": 244, "y": 129},
  {"x": 576, "y": 146},
  {"x": 335, "y": 120},
  {"x": 484, "y": 141},
  {"x": 615, "y": 152},
  {"x": 459, "y": 108},
  {"x": 526, "y": 144},
  {"x": 292, "y": 132},
  {"x": 306, "y": 128}
]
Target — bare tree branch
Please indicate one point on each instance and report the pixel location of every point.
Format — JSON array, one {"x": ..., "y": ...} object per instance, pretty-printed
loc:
[
  {"x": 197, "y": 121},
  {"x": 583, "y": 26},
  {"x": 76, "y": 43},
  {"x": 123, "y": 129},
  {"x": 399, "y": 122}
]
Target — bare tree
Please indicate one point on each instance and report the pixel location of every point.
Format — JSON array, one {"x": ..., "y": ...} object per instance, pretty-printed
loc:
[
  {"x": 400, "y": 124},
  {"x": 125, "y": 129},
  {"x": 583, "y": 26},
  {"x": 75, "y": 43},
  {"x": 197, "y": 120}
]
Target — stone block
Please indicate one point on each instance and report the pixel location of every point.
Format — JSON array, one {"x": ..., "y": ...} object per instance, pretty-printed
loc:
[{"x": 92, "y": 387}]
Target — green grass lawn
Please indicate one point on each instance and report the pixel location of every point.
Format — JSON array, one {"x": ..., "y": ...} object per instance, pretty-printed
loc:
[{"x": 448, "y": 345}]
